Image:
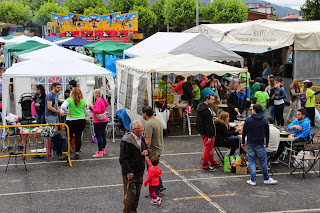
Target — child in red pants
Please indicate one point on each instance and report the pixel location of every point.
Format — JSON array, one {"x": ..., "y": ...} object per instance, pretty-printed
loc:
[{"x": 154, "y": 172}]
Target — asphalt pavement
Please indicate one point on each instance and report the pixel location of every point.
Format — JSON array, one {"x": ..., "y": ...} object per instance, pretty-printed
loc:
[{"x": 95, "y": 185}]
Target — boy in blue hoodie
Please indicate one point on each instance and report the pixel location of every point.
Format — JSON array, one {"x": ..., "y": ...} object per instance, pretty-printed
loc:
[{"x": 256, "y": 129}]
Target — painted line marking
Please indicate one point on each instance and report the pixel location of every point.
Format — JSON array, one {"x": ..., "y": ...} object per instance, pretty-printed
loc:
[
  {"x": 199, "y": 197},
  {"x": 116, "y": 185},
  {"x": 184, "y": 170},
  {"x": 195, "y": 188},
  {"x": 298, "y": 210}
]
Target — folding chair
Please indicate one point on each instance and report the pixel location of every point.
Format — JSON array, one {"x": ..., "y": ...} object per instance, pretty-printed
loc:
[
  {"x": 318, "y": 136},
  {"x": 188, "y": 118},
  {"x": 308, "y": 161},
  {"x": 271, "y": 166},
  {"x": 219, "y": 153}
]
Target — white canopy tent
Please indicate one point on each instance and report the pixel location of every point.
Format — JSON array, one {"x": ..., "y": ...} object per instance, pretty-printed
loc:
[
  {"x": 181, "y": 43},
  {"x": 54, "y": 52},
  {"x": 23, "y": 38},
  {"x": 134, "y": 76},
  {"x": 304, "y": 34},
  {"x": 24, "y": 71},
  {"x": 249, "y": 48},
  {"x": 63, "y": 40}
]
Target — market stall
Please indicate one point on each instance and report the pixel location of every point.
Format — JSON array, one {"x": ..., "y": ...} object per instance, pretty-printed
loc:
[
  {"x": 75, "y": 42},
  {"x": 23, "y": 72},
  {"x": 134, "y": 76},
  {"x": 183, "y": 43}
]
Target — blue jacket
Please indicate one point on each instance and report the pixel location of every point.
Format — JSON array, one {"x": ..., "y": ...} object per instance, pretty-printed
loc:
[
  {"x": 256, "y": 128},
  {"x": 205, "y": 92},
  {"x": 124, "y": 118},
  {"x": 305, "y": 133}
]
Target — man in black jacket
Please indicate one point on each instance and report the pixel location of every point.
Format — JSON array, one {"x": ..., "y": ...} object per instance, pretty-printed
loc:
[
  {"x": 205, "y": 126},
  {"x": 133, "y": 150},
  {"x": 187, "y": 89},
  {"x": 237, "y": 102}
]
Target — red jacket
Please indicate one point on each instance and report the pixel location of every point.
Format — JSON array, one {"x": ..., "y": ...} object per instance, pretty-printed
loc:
[{"x": 153, "y": 175}]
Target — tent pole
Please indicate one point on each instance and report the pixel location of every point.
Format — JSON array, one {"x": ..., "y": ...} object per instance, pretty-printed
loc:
[
  {"x": 103, "y": 59},
  {"x": 152, "y": 89}
]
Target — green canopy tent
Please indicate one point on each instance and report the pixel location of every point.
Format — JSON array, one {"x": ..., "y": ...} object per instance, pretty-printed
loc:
[
  {"x": 22, "y": 46},
  {"x": 16, "y": 54},
  {"x": 7, "y": 37},
  {"x": 63, "y": 38},
  {"x": 108, "y": 48}
]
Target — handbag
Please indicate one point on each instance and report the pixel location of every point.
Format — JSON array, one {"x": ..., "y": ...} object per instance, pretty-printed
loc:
[{"x": 101, "y": 116}]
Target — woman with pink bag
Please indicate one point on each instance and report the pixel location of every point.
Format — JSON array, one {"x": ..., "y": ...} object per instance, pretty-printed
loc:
[{"x": 100, "y": 122}]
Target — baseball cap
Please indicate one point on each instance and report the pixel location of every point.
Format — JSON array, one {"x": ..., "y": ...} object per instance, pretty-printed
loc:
[{"x": 306, "y": 81}]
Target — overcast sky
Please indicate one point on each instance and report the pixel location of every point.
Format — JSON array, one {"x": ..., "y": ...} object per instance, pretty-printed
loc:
[{"x": 296, "y": 4}]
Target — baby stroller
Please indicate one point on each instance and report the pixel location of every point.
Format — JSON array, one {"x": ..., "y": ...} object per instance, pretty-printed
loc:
[{"x": 25, "y": 102}]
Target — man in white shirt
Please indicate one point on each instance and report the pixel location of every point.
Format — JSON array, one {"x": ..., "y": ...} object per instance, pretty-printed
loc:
[{"x": 274, "y": 139}]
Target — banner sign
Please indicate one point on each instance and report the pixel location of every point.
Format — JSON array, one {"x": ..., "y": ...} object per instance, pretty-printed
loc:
[{"x": 113, "y": 22}]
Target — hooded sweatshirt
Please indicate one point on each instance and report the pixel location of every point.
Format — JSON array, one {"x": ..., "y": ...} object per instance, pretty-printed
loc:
[
  {"x": 205, "y": 125},
  {"x": 305, "y": 133},
  {"x": 153, "y": 175},
  {"x": 256, "y": 128},
  {"x": 100, "y": 108}
]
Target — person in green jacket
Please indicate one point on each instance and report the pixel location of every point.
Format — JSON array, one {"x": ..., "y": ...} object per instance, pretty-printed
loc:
[
  {"x": 311, "y": 103},
  {"x": 163, "y": 83},
  {"x": 197, "y": 93},
  {"x": 255, "y": 87}
]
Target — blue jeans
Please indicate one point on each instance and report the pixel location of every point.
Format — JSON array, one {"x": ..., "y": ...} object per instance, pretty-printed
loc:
[
  {"x": 41, "y": 118},
  {"x": 52, "y": 119},
  {"x": 100, "y": 131},
  {"x": 259, "y": 151},
  {"x": 248, "y": 92},
  {"x": 271, "y": 111},
  {"x": 264, "y": 111}
]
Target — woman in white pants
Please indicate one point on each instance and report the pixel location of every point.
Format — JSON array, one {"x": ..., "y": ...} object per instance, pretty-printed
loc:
[{"x": 295, "y": 102}]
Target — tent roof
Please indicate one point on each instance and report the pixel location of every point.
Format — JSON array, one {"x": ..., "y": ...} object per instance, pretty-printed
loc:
[
  {"x": 23, "y": 38},
  {"x": 76, "y": 41},
  {"x": 184, "y": 64},
  {"x": 62, "y": 40},
  {"x": 305, "y": 34},
  {"x": 249, "y": 48},
  {"x": 51, "y": 38},
  {"x": 179, "y": 43},
  {"x": 54, "y": 68},
  {"x": 22, "y": 46},
  {"x": 31, "y": 49},
  {"x": 2, "y": 40},
  {"x": 7, "y": 37},
  {"x": 54, "y": 52},
  {"x": 110, "y": 48}
]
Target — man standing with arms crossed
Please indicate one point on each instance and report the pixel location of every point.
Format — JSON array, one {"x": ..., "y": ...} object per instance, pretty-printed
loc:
[
  {"x": 205, "y": 127},
  {"x": 51, "y": 111},
  {"x": 256, "y": 129},
  {"x": 153, "y": 134}
]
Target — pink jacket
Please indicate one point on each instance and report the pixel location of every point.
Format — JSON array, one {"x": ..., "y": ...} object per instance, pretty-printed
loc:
[
  {"x": 153, "y": 175},
  {"x": 178, "y": 88},
  {"x": 33, "y": 109},
  {"x": 99, "y": 108}
]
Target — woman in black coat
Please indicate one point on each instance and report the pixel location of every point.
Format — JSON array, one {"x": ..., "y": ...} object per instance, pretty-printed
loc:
[{"x": 226, "y": 136}]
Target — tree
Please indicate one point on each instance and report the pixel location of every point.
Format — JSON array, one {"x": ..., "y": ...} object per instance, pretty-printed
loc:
[
  {"x": 180, "y": 12},
  {"x": 35, "y": 4},
  {"x": 158, "y": 9},
  {"x": 226, "y": 11},
  {"x": 15, "y": 12},
  {"x": 43, "y": 15},
  {"x": 146, "y": 18},
  {"x": 96, "y": 10},
  {"x": 80, "y": 5},
  {"x": 311, "y": 10},
  {"x": 142, "y": 3},
  {"x": 121, "y": 5}
]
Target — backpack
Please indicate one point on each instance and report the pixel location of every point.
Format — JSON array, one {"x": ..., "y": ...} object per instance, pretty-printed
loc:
[{"x": 303, "y": 98}]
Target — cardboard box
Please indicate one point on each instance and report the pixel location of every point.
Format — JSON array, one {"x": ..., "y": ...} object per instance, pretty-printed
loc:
[{"x": 242, "y": 170}]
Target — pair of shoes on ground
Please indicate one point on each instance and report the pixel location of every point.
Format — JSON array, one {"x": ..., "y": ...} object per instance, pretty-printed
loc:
[
  {"x": 99, "y": 154},
  {"x": 270, "y": 181},
  {"x": 76, "y": 155},
  {"x": 157, "y": 201},
  {"x": 212, "y": 166},
  {"x": 276, "y": 161}
]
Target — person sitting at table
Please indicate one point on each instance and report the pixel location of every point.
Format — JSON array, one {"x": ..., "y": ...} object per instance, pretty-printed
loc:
[
  {"x": 302, "y": 133},
  {"x": 178, "y": 87},
  {"x": 274, "y": 138},
  {"x": 187, "y": 94},
  {"x": 226, "y": 136},
  {"x": 236, "y": 102},
  {"x": 207, "y": 91},
  {"x": 164, "y": 84}
]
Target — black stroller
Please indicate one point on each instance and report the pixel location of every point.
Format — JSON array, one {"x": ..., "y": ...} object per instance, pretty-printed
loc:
[{"x": 25, "y": 102}]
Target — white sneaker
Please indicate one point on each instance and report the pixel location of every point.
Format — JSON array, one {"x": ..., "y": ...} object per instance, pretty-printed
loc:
[
  {"x": 270, "y": 181},
  {"x": 159, "y": 201},
  {"x": 154, "y": 201},
  {"x": 251, "y": 183}
]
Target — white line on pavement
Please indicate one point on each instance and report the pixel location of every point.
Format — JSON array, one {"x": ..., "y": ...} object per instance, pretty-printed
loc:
[
  {"x": 299, "y": 210},
  {"x": 195, "y": 188}
]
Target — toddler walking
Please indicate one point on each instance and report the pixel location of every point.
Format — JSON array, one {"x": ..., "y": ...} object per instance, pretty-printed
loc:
[{"x": 154, "y": 172}]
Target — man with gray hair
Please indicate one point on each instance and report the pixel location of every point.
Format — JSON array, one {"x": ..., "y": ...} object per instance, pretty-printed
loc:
[
  {"x": 237, "y": 102},
  {"x": 133, "y": 150}
]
